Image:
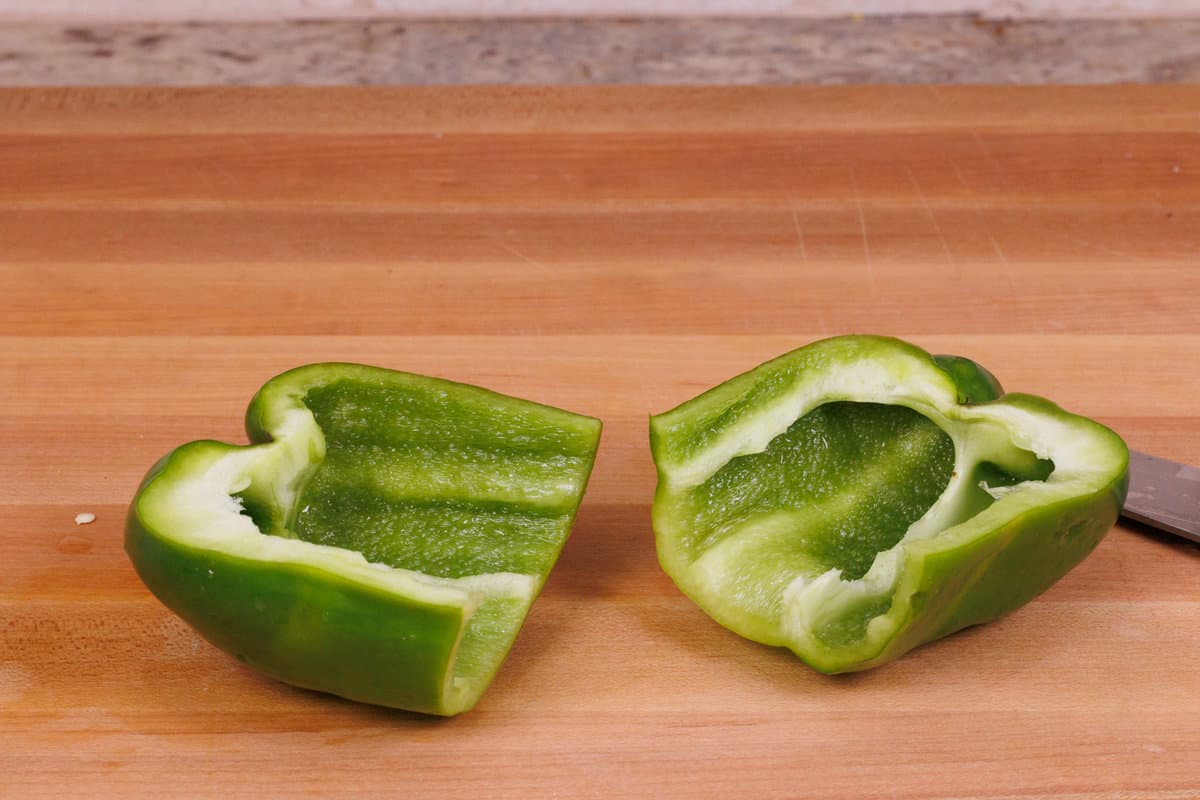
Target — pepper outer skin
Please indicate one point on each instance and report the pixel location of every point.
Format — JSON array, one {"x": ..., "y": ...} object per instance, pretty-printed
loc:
[
  {"x": 319, "y": 616},
  {"x": 976, "y": 554}
]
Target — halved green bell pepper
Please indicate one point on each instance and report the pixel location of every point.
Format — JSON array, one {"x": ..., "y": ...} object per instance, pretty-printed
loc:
[
  {"x": 381, "y": 539},
  {"x": 858, "y": 497}
]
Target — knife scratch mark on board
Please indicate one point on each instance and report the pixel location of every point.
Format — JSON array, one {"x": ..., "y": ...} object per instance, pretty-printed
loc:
[
  {"x": 1035, "y": 319},
  {"x": 1008, "y": 278},
  {"x": 862, "y": 229},
  {"x": 961, "y": 180},
  {"x": 912, "y": 177},
  {"x": 799, "y": 231},
  {"x": 544, "y": 269}
]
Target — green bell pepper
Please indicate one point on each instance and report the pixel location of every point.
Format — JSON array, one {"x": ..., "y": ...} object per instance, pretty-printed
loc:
[
  {"x": 858, "y": 497},
  {"x": 382, "y": 538}
]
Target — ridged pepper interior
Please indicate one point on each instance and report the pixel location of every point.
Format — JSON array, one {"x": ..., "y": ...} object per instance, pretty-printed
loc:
[
  {"x": 842, "y": 484},
  {"x": 449, "y": 484},
  {"x": 421, "y": 482}
]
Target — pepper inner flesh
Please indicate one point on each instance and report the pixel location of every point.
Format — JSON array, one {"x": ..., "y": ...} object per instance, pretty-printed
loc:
[
  {"x": 421, "y": 481},
  {"x": 441, "y": 484},
  {"x": 842, "y": 484},
  {"x": 418, "y": 482}
]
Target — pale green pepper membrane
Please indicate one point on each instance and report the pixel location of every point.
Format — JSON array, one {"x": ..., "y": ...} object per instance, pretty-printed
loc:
[
  {"x": 858, "y": 497},
  {"x": 382, "y": 538}
]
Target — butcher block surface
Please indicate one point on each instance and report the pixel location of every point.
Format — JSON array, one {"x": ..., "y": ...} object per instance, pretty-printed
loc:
[{"x": 613, "y": 252}]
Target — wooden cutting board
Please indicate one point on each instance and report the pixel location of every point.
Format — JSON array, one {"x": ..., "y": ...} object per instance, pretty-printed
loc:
[{"x": 614, "y": 252}]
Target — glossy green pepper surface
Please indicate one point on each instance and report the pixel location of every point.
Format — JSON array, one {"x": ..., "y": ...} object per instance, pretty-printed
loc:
[
  {"x": 382, "y": 538},
  {"x": 858, "y": 497}
]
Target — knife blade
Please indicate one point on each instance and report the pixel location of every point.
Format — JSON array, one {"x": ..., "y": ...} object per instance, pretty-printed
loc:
[{"x": 1164, "y": 494}]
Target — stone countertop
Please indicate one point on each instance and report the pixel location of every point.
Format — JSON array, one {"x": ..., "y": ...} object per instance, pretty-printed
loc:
[{"x": 917, "y": 49}]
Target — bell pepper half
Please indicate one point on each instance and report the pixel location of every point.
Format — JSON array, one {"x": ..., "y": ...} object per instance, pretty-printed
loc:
[
  {"x": 858, "y": 497},
  {"x": 382, "y": 538}
]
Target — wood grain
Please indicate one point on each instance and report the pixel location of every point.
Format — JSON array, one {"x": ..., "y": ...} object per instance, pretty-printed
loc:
[{"x": 613, "y": 251}]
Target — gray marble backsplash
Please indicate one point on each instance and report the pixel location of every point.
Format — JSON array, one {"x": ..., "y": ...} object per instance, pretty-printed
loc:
[{"x": 917, "y": 49}]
